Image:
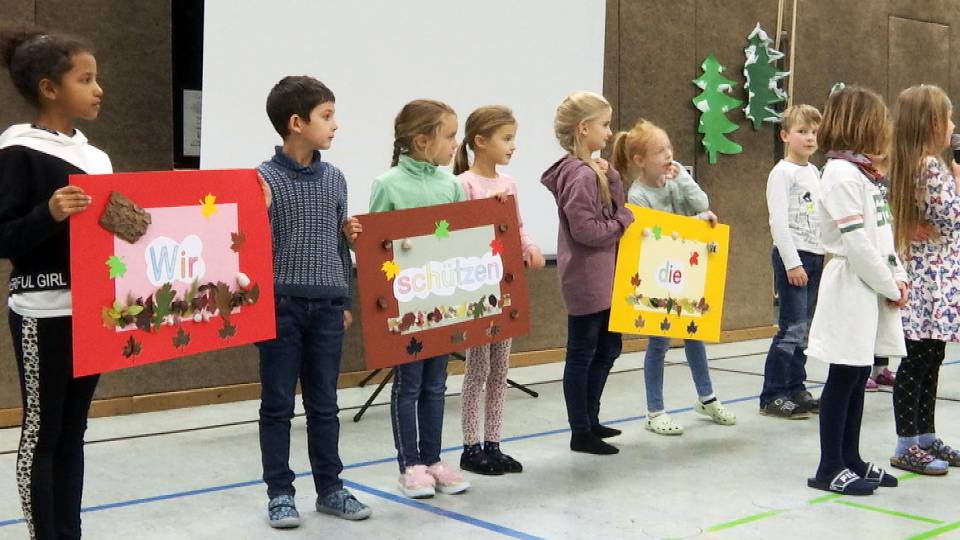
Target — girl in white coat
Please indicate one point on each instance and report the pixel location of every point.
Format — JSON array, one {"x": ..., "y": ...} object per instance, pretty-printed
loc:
[{"x": 861, "y": 288}]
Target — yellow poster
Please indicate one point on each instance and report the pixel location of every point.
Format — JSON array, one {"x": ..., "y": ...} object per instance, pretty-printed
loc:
[{"x": 671, "y": 273}]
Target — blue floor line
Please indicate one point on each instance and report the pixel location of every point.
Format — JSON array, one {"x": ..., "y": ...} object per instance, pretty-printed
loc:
[
  {"x": 420, "y": 505},
  {"x": 360, "y": 487}
]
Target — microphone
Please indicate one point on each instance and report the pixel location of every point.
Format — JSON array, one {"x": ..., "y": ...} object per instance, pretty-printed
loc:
[{"x": 955, "y": 146}]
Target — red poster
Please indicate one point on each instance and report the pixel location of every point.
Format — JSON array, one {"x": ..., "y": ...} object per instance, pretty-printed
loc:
[
  {"x": 168, "y": 264},
  {"x": 440, "y": 279}
]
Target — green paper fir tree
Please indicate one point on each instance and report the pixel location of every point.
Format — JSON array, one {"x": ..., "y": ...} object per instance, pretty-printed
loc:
[
  {"x": 714, "y": 103},
  {"x": 763, "y": 79}
]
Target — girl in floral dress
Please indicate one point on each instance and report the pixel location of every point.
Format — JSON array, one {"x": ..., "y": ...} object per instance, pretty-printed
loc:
[{"x": 924, "y": 191}]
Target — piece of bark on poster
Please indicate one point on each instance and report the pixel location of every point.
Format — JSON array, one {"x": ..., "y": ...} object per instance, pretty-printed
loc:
[
  {"x": 670, "y": 278},
  {"x": 157, "y": 271},
  {"x": 440, "y": 279}
]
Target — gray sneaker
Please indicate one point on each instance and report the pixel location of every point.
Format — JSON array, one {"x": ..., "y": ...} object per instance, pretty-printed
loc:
[
  {"x": 282, "y": 512},
  {"x": 343, "y": 504}
]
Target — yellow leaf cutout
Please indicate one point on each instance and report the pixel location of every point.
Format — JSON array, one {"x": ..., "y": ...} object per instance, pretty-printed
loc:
[
  {"x": 208, "y": 205},
  {"x": 390, "y": 269}
]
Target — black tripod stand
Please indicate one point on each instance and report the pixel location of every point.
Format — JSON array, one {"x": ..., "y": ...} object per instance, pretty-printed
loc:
[{"x": 373, "y": 397}]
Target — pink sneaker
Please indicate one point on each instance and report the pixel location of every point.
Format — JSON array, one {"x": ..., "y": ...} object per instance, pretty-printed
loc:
[
  {"x": 886, "y": 378},
  {"x": 449, "y": 480},
  {"x": 871, "y": 386},
  {"x": 417, "y": 483}
]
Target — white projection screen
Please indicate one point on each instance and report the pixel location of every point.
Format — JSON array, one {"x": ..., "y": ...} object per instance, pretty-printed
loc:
[{"x": 378, "y": 54}]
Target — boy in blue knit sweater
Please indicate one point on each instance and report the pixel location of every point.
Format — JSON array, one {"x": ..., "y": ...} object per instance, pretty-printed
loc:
[{"x": 312, "y": 269}]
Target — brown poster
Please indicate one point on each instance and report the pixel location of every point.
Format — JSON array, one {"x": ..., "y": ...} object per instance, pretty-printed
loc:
[{"x": 440, "y": 279}]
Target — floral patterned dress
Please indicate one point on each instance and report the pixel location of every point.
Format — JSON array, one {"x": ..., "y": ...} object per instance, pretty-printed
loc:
[{"x": 933, "y": 311}]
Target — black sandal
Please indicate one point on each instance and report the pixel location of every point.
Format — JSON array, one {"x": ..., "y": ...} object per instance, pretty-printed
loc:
[
  {"x": 878, "y": 477},
  {"x": 846, "y": 482}
]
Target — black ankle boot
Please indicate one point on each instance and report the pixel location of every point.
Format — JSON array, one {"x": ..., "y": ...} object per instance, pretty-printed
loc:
[
  {"x": 587, "y": 442},
  {"x": 605, "y": 432},
  {"x": 509, "y": 465},
  {"x": 475, "y": 460}
]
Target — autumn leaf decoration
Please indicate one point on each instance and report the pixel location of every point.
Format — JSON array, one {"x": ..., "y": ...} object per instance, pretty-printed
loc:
[
  {"x": 208, "y": 205},
  {"x": 415, "y": 347},
  {"x": 117, "y": 267},
  {"x": 162, "y": 306},
  {"x": 132, "y": 348},
  {"x": 182, "y": 339},
  {"x": 496, "y": 247},
  {"x": 390, "y": 269},
  {"x": 228, "y": 330},
  {"x": 198, "y": 303},
  {"x": 224, "y": 300},
  {"x": 477, "y": 309},
  {"x": 443, "y": 229},
  {"x": 237, "y": 241},
  {"x": 118, "y": 315}
]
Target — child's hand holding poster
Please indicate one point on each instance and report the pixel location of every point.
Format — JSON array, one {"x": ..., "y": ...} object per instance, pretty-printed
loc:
[
  {"x": 671, "y": 272},
  {"x": 439, "y": 279},
  {"x": 168, "y": 264}
]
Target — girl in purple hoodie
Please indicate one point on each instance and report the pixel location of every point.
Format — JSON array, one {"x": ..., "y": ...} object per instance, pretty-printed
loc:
[{"x": 590, "y": 204}]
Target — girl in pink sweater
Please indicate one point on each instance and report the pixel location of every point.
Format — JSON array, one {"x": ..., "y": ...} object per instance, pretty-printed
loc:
[{"x": 490, "y": 133}]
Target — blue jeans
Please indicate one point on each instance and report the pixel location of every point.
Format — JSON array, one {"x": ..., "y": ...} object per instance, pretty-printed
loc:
[
  {"x": 785, "y": 368},
  {"x": 653, "y": 369},
  {"x": 591, "y": 351},
  {"x": 307, "y": 347},
  {"x": 416, "y": 411}
]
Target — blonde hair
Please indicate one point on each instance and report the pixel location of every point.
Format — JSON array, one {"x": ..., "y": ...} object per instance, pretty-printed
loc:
[
  {"x": 419, "y": 117},
  {"x": 855, "y": 119},
  {"x": 484, "y": 122},
  {"x": 627, "y": 144},
  {"x": 800, "y": 115},
  {"x": 919, "y": 130},
  {"x": 575, "y": 109}
]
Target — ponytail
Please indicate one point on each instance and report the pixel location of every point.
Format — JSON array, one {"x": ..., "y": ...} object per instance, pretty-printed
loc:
[
  {"x": 628, "y": 144},
  {"x": 620, "y": 158},
  {"x": 461, "y": 163}
]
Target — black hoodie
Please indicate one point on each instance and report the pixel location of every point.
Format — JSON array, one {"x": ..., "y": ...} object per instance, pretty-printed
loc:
[{"x": 34, "y": 163}]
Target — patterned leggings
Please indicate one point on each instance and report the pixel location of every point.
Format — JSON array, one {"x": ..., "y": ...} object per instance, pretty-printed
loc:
[
  {"x": 486, "y": 367},
  {"x": 915, "y": 390}
]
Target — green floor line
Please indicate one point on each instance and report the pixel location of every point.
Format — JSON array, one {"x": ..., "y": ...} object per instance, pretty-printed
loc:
[
  {"x": 827, "y": 498},
  {"x": 936, "y": 532},
  {"x": 894, "y": 513},
  {"x": 741, "y": 521}
]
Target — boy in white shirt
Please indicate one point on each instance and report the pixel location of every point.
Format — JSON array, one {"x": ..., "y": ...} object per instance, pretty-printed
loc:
[{"x": 792, "y": 190}]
